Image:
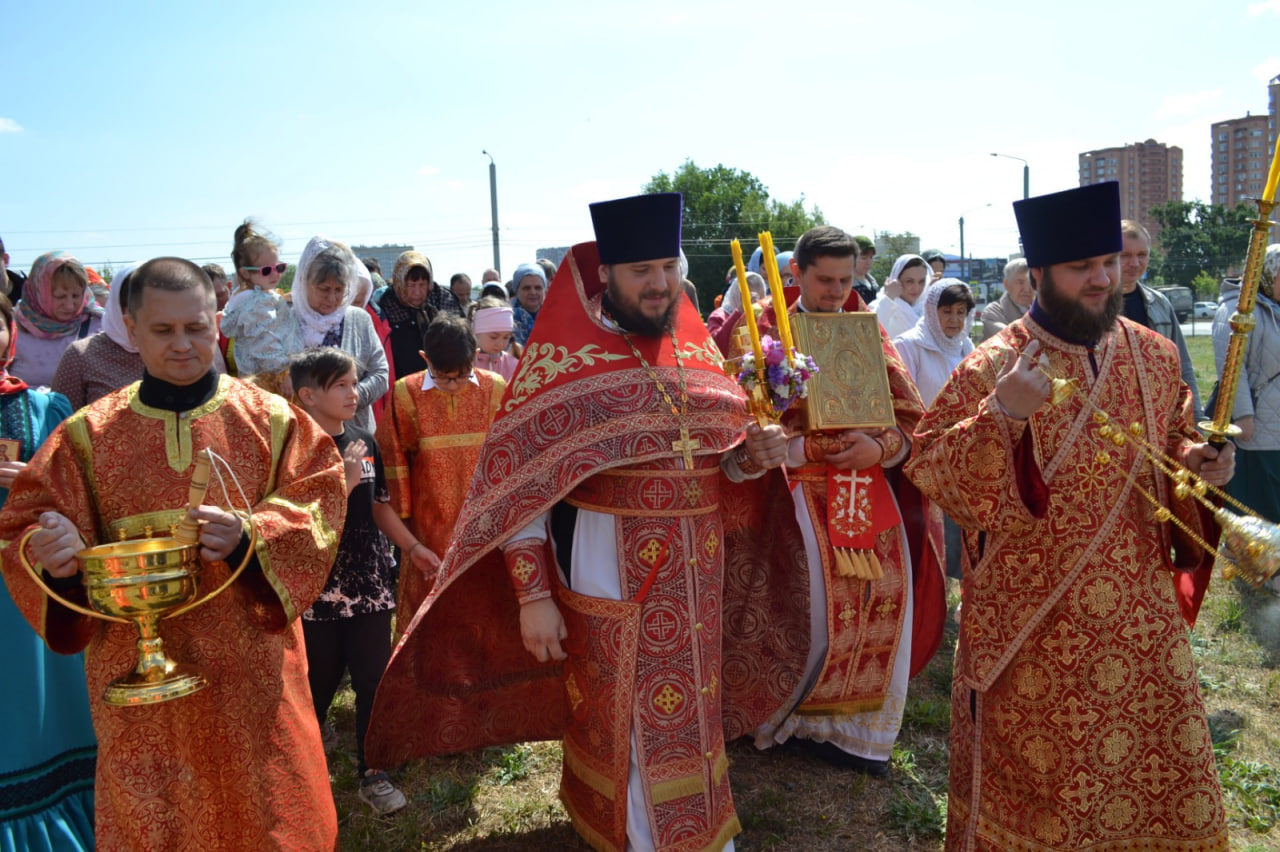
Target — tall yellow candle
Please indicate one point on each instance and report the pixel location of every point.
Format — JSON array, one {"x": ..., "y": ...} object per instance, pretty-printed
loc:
[
  {"x": 1273, "y": 176},
  {"x": 780, "y": 316},
  {"x": 748, "y": 308}
]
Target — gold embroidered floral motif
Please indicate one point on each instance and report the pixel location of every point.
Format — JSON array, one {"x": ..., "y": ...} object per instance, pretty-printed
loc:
[
  {"x": 712, "y": 544},
  {"x": 651, "y": 551},
  {"x": 1030, "y": 682},
  {"x": 846, "y": 614},
  {"x": 692, "y": 493},
  {"x": 1196, "y": 810},
  {"x": 1040, "y": 754},
  {"x": 1118, "y": 813},
  {"x": 1110, "y": 674},
  {"x": 544, "y": 362},
  {"x": 575, "y": 694},
  {"x": 523, "y": 569},
  {"x": 668, "y": 699},
  {"x": 1189, "y": 737},
  {"x": 1116, "y": 747},
  {"x": 1100, "y": 598}
]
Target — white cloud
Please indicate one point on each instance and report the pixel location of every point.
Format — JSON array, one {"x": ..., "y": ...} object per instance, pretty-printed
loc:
[
  {"x": 1267, "y": 68},
  {"x": 1256, "y": 9},
  {"x": 428, "y": 171},
  {"x": 1187, "y": 104},
  {"x": 8, "y": 125}
]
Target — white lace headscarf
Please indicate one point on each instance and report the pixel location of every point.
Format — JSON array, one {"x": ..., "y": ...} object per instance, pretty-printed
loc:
[
  {"x": 312, "y": 325},
  {"x": 928, "y": 329},
  {"x": 898, "y": 266}
]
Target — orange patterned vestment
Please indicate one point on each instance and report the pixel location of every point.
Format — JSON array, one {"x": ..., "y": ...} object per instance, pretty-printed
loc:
[
  {"x": 430, "y": 442},
  {"x": 238, "y": 765},
  {"x": 715, "y": 645},
  {"x": 1076, "y": 716}
]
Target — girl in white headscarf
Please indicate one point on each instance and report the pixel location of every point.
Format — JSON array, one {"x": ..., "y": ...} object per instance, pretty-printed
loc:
[
  {"x": 899, "y": 305},
  {"x": 938, "y": 342},
  {"x": 323, "y": 315}
]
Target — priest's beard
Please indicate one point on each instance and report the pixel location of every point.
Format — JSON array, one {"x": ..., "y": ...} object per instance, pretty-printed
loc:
[
  {"x": 628, "y": 316},
  {"x": 1073, "y": 319}
]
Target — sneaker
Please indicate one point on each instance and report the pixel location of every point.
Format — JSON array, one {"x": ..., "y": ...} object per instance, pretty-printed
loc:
[
  {"x": 329, "y": 737},
  {"x": 378, "y": 793}
]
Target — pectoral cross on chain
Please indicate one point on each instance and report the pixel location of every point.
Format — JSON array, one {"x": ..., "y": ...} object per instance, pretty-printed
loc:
[
  {"x": 853, "y": 479},
  {"x": 686, "y": 445}
]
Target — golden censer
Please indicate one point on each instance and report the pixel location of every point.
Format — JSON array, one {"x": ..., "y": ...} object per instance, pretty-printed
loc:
[{"x": 141, "y": 582}]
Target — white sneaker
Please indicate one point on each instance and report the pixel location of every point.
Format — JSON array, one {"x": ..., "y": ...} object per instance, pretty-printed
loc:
[{"x": 378, "y": 793}]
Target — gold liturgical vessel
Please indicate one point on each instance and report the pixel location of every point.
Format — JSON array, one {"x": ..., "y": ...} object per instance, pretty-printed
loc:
[{"x": 141, "y": 582}]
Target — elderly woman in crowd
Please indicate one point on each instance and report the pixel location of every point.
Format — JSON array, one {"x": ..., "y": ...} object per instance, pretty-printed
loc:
[
  {"x": 324, "y": 288},
  {"x": 899, "y": 305},
  {"x": 531, "y": 289},
  {"x": 57, "y": 308},
  {"x": 407, "y": 312}
]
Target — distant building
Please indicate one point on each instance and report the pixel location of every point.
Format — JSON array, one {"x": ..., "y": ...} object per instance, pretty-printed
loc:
[
  {"x": 1149, "y": 173},
  {"x": 385, "y": 254},
  {"x": 555, "y": 255},
  {"x": 1241, "y": 157}
]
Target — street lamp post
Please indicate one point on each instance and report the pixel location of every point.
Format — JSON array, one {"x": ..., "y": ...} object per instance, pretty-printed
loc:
[
  {"x": 964, "y": 263},
  {"x": 1026, "y": 173},
  {"x": 493, "y": 207}
]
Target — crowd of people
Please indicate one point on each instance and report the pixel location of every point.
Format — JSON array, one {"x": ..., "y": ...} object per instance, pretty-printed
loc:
[{"x": 546, "y": 510}]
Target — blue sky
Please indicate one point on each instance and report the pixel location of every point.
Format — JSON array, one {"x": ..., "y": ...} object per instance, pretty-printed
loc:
[{"x": 129, "y": 130}]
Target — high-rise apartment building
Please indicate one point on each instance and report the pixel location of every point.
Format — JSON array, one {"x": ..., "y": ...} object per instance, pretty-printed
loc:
[
  {"x": 1241, "y": 156},
  {"x": 1149, "y": 173}
]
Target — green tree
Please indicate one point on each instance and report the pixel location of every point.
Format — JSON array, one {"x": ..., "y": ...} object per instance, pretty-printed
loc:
[
  {"x": 1198, "y": 238},
  {"x": 895, "y": 245},
  {"x": 286, "y": 280},
  {"x": 721, "y": 204}
]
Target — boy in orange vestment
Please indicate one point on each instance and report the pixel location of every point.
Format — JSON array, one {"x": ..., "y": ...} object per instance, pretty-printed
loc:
[
  {"x": 430, "y": 442},
  {"x": 238, "y": 764}
]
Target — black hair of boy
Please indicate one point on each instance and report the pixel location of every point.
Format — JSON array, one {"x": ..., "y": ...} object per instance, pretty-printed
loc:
[
  {"x": 449, "y": 345},
  {"x": 319, "y": 367}
]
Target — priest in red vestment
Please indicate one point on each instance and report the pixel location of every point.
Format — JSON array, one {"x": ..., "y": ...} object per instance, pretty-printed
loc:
[
  {"x": 1076, "y": 715},
  {"x": 238, "y": 764},
  {"x": 660, "y": 599}
]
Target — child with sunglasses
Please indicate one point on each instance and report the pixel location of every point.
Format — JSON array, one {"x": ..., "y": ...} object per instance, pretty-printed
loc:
[{"x": 256, "y": 318}]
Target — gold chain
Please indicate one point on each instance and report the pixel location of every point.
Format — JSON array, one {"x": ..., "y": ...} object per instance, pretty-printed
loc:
[
  {"x": 680, "y": 412},
  {"x": 685, "y": 445}
]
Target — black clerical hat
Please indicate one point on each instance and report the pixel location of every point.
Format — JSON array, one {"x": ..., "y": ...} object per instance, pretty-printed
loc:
[
  {"x": 1070, "y": 225},
  {"x": 642, "y": 227}
]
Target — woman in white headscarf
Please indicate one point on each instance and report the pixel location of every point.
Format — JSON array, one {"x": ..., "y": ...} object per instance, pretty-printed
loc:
[
  {"x": 939, "y": 340},
  {"x": 899, "y": 304},
  {"x": 324, "y": 288},
  {"x": 931, "y": 350}
]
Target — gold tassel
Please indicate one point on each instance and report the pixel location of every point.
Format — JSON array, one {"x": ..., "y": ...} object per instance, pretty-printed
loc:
[
  {"x": 844, "y": 563},
  {"x": 860, "y": 564},
  {"x": 877, "y": 572}
]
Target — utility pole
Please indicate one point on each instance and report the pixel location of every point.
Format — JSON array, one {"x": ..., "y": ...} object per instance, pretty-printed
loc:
[{"x": 493, "y": 208}]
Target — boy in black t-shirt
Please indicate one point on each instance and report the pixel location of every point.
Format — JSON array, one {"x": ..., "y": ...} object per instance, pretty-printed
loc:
[{"x": 349, "y": 625}]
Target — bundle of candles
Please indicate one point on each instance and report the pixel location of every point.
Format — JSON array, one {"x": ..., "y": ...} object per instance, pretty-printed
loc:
[{"x": 773, "y": 374}]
